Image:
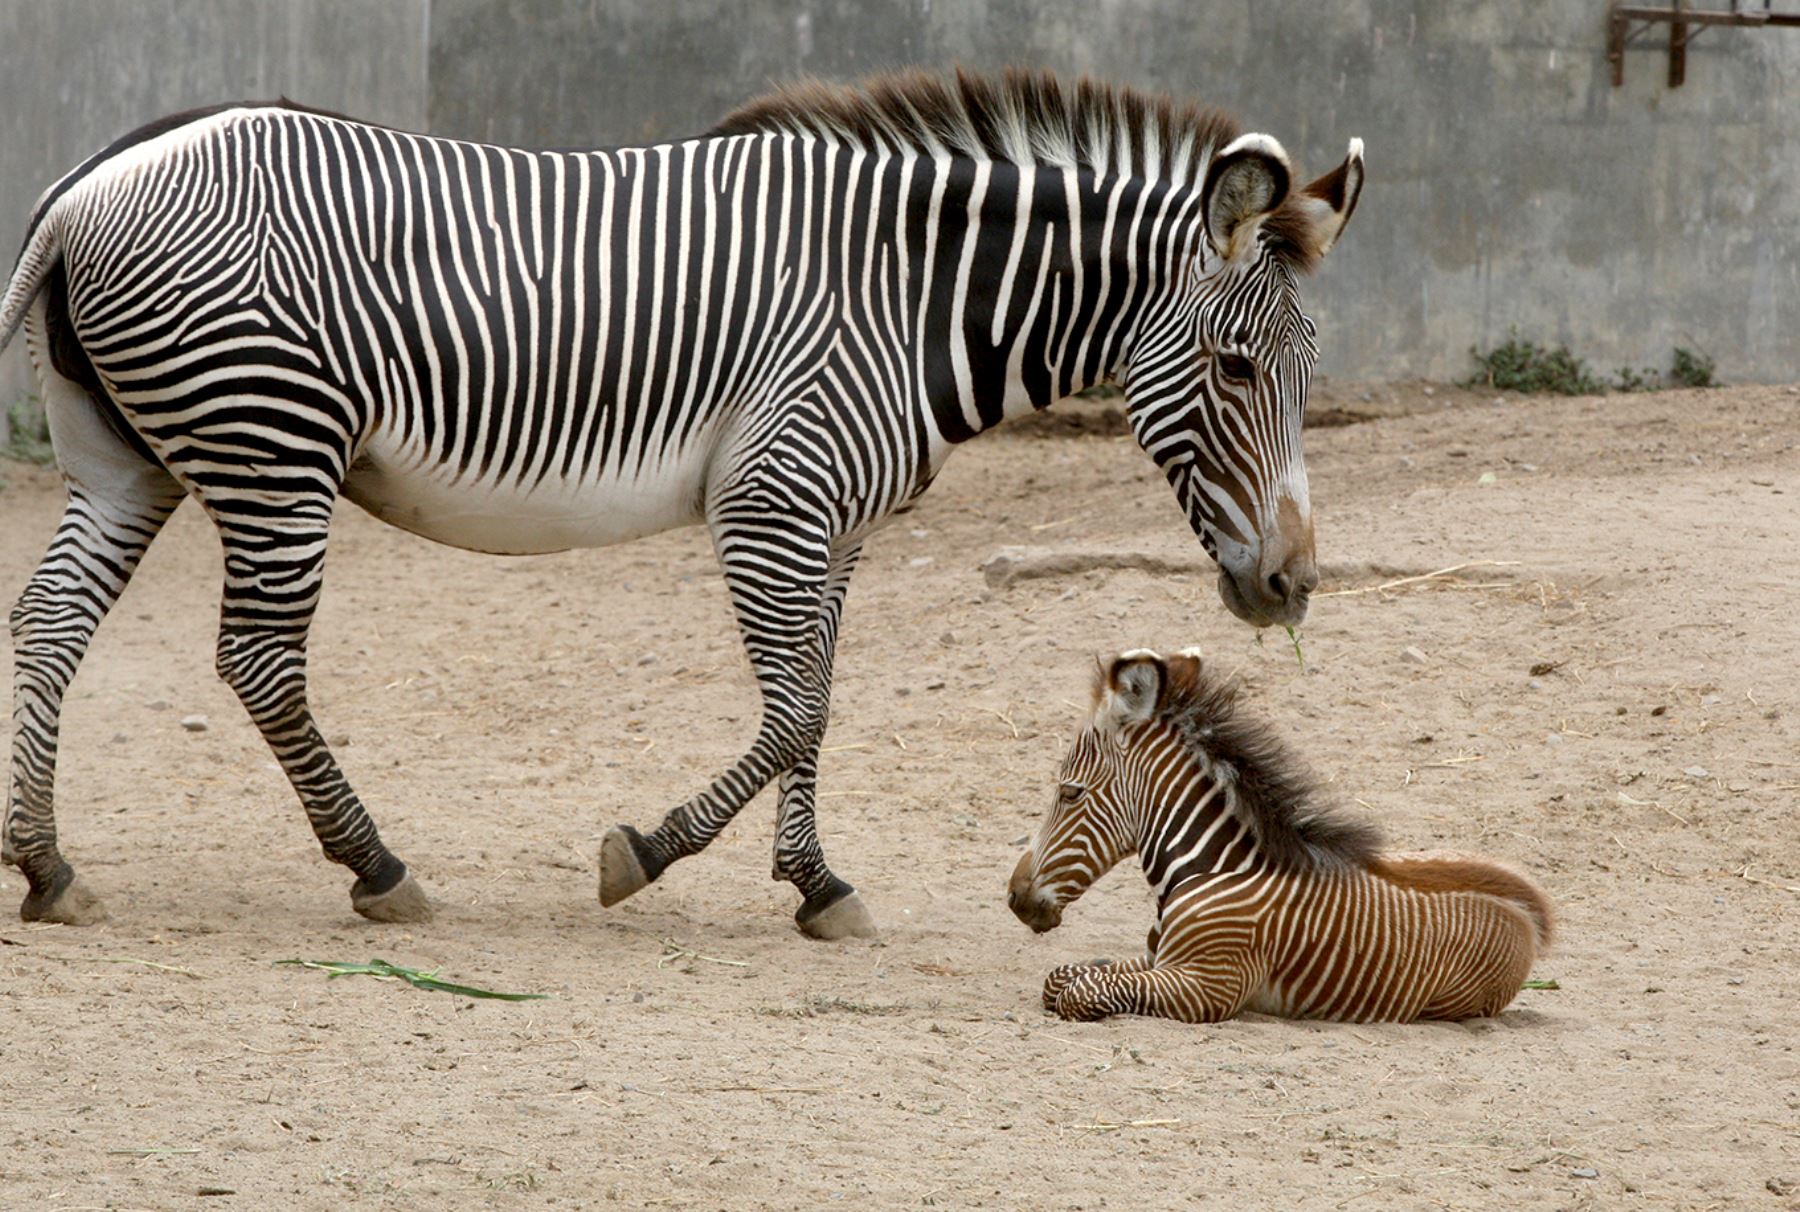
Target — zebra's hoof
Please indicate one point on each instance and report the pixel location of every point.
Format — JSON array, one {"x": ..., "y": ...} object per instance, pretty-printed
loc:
[
  {"x": 67, "y": 902},
  {"x": 621, "y": 871},
  {"x": 404, "y": 902},
  {"x": 846, "y": 917}
]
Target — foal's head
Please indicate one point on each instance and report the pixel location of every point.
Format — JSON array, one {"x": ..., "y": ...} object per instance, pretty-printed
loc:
[
  {"x": 1164, "y": 754},
  {"x": 1127, "y": 758}
]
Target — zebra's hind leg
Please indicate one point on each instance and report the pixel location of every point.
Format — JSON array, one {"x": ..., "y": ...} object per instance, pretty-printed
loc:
[
  {"x": 96, "y": 548},
  {"x": 274, "y": 570}
]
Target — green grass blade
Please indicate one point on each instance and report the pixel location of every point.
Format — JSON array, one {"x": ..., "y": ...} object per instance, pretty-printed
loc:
[
  {"x": 380, "y": 969},
  {"x": 1536, "y": 983}
]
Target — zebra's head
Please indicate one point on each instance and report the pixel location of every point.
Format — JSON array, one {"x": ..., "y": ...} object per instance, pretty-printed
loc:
[
  {"x": 1217, "y": 378},
  {"x": 1114, "y": 770}
]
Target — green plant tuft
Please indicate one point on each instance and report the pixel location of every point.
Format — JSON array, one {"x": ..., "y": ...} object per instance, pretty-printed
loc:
[
  {"x": 1693, "y": 369},
  {"x": 30, "y": 442},
  {"x": 1533, "y": 369},
  {"x": 1527, "y": 367}
]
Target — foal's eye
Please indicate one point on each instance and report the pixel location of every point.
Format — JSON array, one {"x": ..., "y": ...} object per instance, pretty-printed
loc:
[
  {"x": 1236, "y": 367},
  {"x": 1069, "y": 793}
]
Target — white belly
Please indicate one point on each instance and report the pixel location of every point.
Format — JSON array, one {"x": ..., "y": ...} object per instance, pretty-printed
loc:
[{"x": 519, "y": 519}]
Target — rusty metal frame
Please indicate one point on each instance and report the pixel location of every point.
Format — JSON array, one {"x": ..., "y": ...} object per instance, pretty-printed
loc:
[{"x": 1626, "y": 23}]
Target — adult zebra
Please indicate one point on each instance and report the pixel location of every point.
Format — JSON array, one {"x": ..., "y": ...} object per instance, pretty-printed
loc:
[{"x": 780, "y": 329}]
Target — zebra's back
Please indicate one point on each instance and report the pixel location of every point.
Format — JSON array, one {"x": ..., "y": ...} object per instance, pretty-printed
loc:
[{"x": 507, "y": 350}]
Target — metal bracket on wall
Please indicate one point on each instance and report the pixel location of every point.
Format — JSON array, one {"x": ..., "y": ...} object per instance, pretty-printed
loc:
[{"x": 1626, "y": 23}]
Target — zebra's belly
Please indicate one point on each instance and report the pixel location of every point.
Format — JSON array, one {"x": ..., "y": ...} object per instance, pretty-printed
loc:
[{"x": 508, "y": 518}]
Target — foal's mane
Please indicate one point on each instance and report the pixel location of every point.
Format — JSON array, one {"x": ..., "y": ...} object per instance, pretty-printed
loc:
[{"x": 1294, "y": 827}]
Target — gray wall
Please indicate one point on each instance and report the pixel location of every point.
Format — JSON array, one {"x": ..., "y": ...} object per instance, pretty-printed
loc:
[
  {"x": 77, "y": 74},
  {"x": 1510, "y": 183}
]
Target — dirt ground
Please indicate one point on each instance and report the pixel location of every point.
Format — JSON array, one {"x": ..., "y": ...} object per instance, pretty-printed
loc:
[{"x": 1640, "y": 553}]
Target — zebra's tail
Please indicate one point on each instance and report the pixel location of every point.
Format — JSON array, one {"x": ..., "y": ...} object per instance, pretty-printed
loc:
[
  {"x": 1450, "y": 871},
  {"x": 41, "y": 252}
]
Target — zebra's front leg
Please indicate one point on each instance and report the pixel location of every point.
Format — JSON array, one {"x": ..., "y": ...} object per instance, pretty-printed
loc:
[
  {"x": 96, "y": 548},
  {"x": 830, "y": 908},
  {"x": 274, "y": 570},
  {"x": 778, "y": 569}
]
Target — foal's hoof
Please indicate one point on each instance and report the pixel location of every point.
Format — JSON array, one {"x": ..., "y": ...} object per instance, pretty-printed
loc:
[
  {"x": 404, "y": 902},
  {"x": 68, "y": 902},
  {"x": 846, "y": 917},
  {"x": 621, "y": 871}
]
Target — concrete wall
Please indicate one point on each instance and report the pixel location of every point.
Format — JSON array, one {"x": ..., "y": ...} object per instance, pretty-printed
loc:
[
  {"x": 1510, "y": 183},
  {"x": 77, "y": 74}
]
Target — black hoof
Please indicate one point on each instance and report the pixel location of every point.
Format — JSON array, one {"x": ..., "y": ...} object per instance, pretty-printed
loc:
[{"x": 62, "y": 898}]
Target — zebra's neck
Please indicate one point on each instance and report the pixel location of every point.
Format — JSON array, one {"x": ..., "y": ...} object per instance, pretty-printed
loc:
[
  {"x": 1051, "y": 272},
  {"x": 1196, "y": 831}
]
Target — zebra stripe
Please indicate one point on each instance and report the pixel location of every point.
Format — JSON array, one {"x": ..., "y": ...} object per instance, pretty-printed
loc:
[
  {"x": 780, "y": 330},
  {"x": 1263, "y": 902}
]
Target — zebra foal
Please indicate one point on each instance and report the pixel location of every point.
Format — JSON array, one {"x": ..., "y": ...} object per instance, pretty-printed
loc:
[
  {"x": 1265, "y": 901},
  {"x": 779, "y": 329}
]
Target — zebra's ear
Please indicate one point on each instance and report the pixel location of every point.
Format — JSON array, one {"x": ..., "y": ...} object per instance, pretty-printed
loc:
[
  {"x": 1327, "y": 202},
  {"x": 1134, "y": 684},
  {"x": 1245, "y": 184}
]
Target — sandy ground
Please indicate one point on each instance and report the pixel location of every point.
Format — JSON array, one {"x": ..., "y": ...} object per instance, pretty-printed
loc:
[{"x": 498, "y": 716}]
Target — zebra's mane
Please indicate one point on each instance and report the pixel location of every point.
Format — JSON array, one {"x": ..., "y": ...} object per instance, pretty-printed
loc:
[
  {"x": 1022, "y": 117},
  {"x": 1294, "y": 827}
]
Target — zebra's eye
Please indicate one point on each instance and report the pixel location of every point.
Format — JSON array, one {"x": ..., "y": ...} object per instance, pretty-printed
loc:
[
  {"x": 1070, "y": 793},
  {"x": 1236, "y": 367}
]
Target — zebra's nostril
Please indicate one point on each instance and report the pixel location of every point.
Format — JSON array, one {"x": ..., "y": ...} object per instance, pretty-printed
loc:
[{"x": 1281, "y": 586}]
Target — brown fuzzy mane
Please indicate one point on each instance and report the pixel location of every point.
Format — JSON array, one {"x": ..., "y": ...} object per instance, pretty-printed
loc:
[{"x": 1280, "y": 799}]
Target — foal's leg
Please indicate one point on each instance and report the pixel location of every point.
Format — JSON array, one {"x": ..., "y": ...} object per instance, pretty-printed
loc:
[
  {"x": 1206, "y": 991},
  {"x": 831, "y": 908},
  {"x": 274, "y": 569},
  {"x": 1063, "y": 976}
]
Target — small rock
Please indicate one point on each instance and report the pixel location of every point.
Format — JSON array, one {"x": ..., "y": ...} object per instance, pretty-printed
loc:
[
  {"x": 194, "y": 723},
  {"x": 919, "y": 534},
  {"x": 1415, "y": 654},
  {"x": 1554, "y": 738},
  {"x": 1738, "y": 786},
  {"x": 948, "y": 639},
  {"x": 936, "y": 685},
  {"x": 1707, "y": 700},
  {"x": 1584, "y": 1172},
  {"x": 159, "y": 705},
  {"x": 1429, "y": 392},
  {"x": 1535, "y": 683},
  {"x": 649, "y": 658},
  {"x": 119, "y": 738},
  {"x": 342, "y": 739},
  {"x": 1487, "y": 477},
  {"x": 1697, "y": 772},
  {"x": 921, "y": 562},
  {"x": 1660, "y": 709}
]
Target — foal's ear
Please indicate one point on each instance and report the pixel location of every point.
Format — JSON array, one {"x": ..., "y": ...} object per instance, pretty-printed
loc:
[
  {"x": 1327, "y": 202},
  {"x": 1245, "y": 184},
  {"x": 1134, "y": 682}
]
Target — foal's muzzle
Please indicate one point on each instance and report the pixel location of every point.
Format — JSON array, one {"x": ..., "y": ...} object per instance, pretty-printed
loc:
[{"x": 1029, "y": 905}]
